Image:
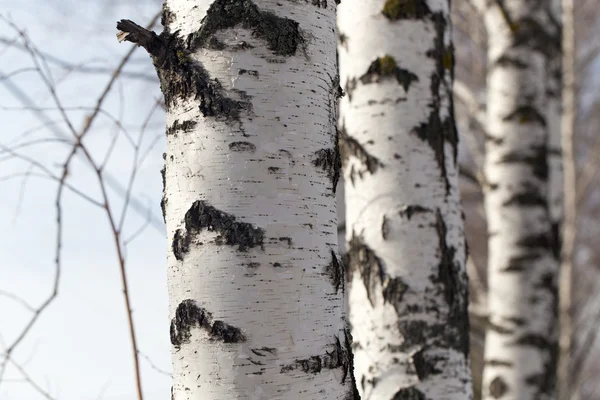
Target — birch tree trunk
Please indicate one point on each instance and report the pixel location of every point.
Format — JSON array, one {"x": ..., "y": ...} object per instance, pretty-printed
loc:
[
  {"x": 404, "y": 227},
  {"x": 567, "y": 390},
  {"x": 256, "y": 289},
  {"x": 521, "y": 342}
]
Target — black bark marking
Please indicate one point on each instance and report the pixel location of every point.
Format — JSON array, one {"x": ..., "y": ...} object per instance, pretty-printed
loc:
[
  {"x": 498, "y": 363},
  {"x": 329, "y": 161},
  {"x": 521, "y": 262},
  {"x": 242, "y": 146},
  {"x": 348, "y": 146},
  {"x": 189, "y": 315},
  {"x": 362, "y": 259},
  {"x": 339, "y": 357},
  {"x": 410, "y": 393},
  {"x": 405, "y": 9},
  {"x": 349, "y": 87},
  {"x": 163, "y": 199},
  {"x": 182, "y": 77},
  {"x": 499, "y": 329},
  {"x": 535, "y": 241},
  {"x": 202, "y": 215},
  {"x": 184, "y": 126},
  {"x": 386, "y": 67},
  {"x": 251, "y": 72},
  {"x": 287, "y": 240},
  {"x": 385, "y": 227},
  {"x": 167, "y": 17},
  {"x": 343, "y": 40},
  {"x": 262, "y": 350},
  {"x": 452, "y": 280},
  {"x": 506, "y": 60},
  {"x": 536, "y": 158},
  {"x": 530, "y": 196},
  {"x": 526, "y": 114},
  {"x": 529, "y": 33},
  {"x": 320, "y": 3},
  {"x": 410, "y": 210},
  {"x": 335, "y": 271},
  {"x": 498, "y": 387},
  {"x": 533, "y": 340},
  {"x": 424, "y": 364},
  {"x": 435, "y": 131},
  {"x": 282, "y": 35}
]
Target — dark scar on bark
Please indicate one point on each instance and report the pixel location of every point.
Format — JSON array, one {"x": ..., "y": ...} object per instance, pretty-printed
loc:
[
  {"x": 184, "y": 126},
  {"x": 163, "y": 200},
  {"x": 329, "y": 161},
  {"x": 242, "y": 146},
  {"x": 386, "y": 67},
  {"x": 385, "y": 227},
  {"x": 412, "y": 209},
  {"x": 409, "y": 393},
  {"x": 202, "y": 215},
  {"x": 424, "y": 364},
  {"x": 189, "y": 315},
  {"x": 282, "y": 35},
  {"x": 498, "y": 387},
  {"x": 361, "y": 259},
  {"x": 348, "y": 146},
  {"x": 262, "y": 350},
  {"x": 335, "y": 271},
  {"x": 405, "y": 9},
  {"x": 340, "y": 356},
  {"x": 182, "y": 77}
]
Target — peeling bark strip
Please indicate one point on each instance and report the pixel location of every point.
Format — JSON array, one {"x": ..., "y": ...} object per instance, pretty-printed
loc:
[
  {"x": 360, "y": 258},
  {"x": 202, "y": 215},
  {"x": 386, "y": 67},
  {"x": 189, "y": 315}
]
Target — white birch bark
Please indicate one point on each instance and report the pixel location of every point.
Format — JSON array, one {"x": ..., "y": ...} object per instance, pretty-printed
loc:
[
  {"x": 404, "y": 226},
  {"x": 521, "y": 342},
  {"x": 256, "y": 290}
]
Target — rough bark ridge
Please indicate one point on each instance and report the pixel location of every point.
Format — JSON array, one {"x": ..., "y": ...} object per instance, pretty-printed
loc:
[
  {"x": 256, "y": 287},
  {"x": 521, "y": 342},
  {"x": 398, "y": 142}
]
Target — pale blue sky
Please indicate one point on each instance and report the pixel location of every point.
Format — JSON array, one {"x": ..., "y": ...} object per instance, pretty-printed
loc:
[{"x": 80, "y": 348}]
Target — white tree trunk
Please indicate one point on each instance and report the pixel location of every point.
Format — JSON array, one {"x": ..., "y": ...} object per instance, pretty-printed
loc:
[
  {"x": 521, "y": 342},
  {"x": 405, "y": 239},
  {"x": 256, "y": 289}
]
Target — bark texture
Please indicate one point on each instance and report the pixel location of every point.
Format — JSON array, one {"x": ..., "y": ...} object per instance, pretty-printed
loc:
[
  {"x": 256, "y": 287},
  {"x": 404, "y": 227},
  {"x": 521, "y": 342}
]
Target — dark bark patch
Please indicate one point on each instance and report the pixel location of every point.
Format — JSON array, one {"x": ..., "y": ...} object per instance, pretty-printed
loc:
[
  {"x": 287, "y": 240},
  {"x": 282, "y": 35},
  {"x": 412, "y": 209},
  {"x": 409, "y": 393},
  {"x": 435, "y": 131},
  {"x": 405, "y": 9},
  {"x": 242, "y": 146},
  {"x": 163, "y": 200},
  {"x": 499, "y": 329},
  {"x": 262, "y": 350},
  {"x": 189, "y": 315},
  {"x": 424, "y": 364},
  {"x": 530, "y": 197},
  {"x": 167, "y": 17},
  {"x": 452, "y": 279},
  {"x": 506, "y": 60},
  {"x": 498, "y": 387},
  {"x": 251, "y": 72},
  {"x": 386, "y": 67},
  {"x": 343, "y": 40},
  {"x": 533, "y": 340},
  {"x": 498, "y": 363},
  {"x": 350, "y": 87},
  {"x": 335, "y": 271},
  {"x": 184, "y": 126},
  {"x": 361, "y": 259},
  {"x": 536, "y": 158},
  {"x": 526, "y": 114},
  {"x": 340, "y": 356},
  {"x": 329, "y": 161},
  {"x": 521, "y": 262},
  {"x": 202, "y": 215},
  {"x": 385, "y": 227},
  {"x": 535, "y": 241},
  {"x": 348, "y": 146},
  {"x": 530, "y": 33}
]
